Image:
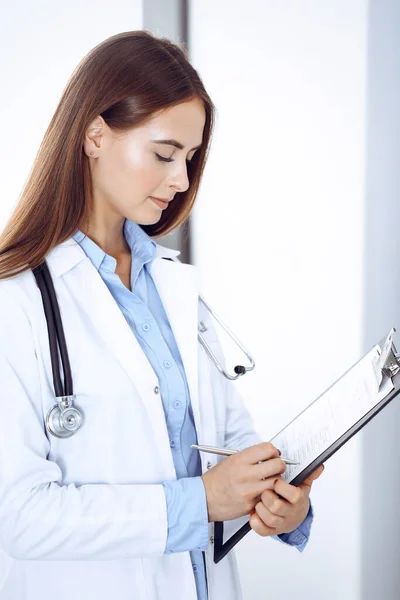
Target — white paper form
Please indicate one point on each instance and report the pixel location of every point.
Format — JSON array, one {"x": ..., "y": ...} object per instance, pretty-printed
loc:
[{"x": 332, "y": 414}]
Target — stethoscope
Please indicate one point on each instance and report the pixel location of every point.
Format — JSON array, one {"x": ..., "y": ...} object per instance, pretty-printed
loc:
[{"x": 64, "y": 419}]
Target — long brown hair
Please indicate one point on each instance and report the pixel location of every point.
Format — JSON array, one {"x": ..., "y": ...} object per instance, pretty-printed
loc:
[{"x": 125, "y": 79}]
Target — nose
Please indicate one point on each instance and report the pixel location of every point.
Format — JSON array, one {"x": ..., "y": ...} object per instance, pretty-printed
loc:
[{"x": 179, "y": 178}]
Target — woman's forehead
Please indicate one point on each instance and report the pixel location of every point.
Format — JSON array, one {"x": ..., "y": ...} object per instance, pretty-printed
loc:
[{"x": 183, "y": 123}]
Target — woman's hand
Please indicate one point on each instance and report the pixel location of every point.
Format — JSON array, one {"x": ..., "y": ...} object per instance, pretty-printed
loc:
[
  {"x": 283, "y": 508},
  {"x": 235, "y": 485}
]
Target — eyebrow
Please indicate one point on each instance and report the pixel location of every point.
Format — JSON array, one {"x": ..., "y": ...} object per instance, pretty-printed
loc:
[{"x": 173, "y": 143}]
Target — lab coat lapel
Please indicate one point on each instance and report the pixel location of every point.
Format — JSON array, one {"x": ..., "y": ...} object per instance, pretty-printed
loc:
[
  {"x": 178, "y": 287},
  {"x": 108, "y": 319},
  {"x": 99, "y": 307}
]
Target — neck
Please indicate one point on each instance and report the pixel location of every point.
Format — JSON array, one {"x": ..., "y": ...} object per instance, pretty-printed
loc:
[{"x": 109, "y": 237}]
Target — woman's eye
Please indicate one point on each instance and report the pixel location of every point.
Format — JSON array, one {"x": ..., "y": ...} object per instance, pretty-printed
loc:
[{"x": 163, "y": 159}]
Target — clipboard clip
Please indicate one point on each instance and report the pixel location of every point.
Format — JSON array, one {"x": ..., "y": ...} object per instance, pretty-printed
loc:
[{"x": 389, "y": 360}]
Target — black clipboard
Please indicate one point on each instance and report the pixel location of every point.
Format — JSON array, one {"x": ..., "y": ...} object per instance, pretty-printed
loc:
[{"x": 390, "y": 369}]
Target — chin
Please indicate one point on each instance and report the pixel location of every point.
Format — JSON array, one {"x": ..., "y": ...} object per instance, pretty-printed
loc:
[
  {"x": 145, "y": 215},
  {"x": 147, "y": 220}
]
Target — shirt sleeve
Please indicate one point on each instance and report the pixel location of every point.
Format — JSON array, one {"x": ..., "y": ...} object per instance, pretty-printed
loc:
[
  {"x": 187, "y": 515},
  {"x": 300, "y": 536}
]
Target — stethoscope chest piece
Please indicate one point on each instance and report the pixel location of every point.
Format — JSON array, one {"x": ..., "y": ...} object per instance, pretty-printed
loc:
[{"x": 63, "y": 420}]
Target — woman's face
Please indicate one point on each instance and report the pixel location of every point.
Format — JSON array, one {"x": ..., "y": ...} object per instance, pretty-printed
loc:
[{"x": 129, "y": 169}]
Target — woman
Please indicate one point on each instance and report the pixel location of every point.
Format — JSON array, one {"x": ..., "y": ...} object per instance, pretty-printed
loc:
[{"x": 125, "y": 507}]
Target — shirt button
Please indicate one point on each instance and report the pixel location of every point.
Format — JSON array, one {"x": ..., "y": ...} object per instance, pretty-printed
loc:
[
  {"x": 156, "y": 389},
  {"x": 195, "y": 568},
  {"x": 146, "y": 327},
  {"x": 172, "y": 444},
  {"x": 167, "y": 364},
  {"x": 177, "y": 404}
]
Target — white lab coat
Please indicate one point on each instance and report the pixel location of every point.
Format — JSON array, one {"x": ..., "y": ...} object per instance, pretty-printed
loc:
[{"x": 85, "y": 518}]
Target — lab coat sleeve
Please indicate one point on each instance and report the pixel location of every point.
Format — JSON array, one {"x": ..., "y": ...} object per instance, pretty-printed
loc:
[
  {"x": 239, "y": 426},
  {"x": 39, "y": 518}
]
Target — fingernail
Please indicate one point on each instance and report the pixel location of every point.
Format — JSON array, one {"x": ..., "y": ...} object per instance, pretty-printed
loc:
[{"x": 280, "y": 453}]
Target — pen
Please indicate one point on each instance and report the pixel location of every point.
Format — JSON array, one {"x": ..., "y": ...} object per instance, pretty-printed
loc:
[{"x": 228, "y": 452}]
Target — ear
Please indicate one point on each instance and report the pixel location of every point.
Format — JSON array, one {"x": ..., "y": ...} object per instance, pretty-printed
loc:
[{"x": 93, "y": 136}]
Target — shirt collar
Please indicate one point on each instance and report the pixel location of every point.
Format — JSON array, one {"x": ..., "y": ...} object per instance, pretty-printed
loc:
[{"x": 143, "y": 248}]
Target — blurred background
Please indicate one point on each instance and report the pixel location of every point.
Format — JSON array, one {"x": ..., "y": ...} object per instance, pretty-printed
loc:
[{"x": 294, "y": 232}]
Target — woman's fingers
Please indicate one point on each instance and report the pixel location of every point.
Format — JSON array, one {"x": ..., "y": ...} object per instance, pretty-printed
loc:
[
  {"x": 267, "y": 473},
  {"x": 275, "y": 504},
  {"x": 258, "y": 452},
  {"x": 259, "y": 527},
  {"x": 314, "y": 475},
  {"x": 267, "y": 484},
  {"x": 267, "y": 517},
  {"x": 289, "y": 492},
  {"x": 269, "y": 468}
]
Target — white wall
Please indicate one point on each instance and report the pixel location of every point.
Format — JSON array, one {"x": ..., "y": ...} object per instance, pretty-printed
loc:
[
  {"x": 279, "y": 237},
  {"x": 41, "y": 44}
]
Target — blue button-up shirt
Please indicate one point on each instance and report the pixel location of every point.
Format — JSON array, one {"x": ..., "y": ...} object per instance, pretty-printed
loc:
[{"x": 145, "y": 314}]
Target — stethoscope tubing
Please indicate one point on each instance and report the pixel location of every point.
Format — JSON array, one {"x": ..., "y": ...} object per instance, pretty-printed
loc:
[
  {"x": 55, "y": 332},
  {"x": 60, "y": 335},
  {"x": 240, "y": 370}
]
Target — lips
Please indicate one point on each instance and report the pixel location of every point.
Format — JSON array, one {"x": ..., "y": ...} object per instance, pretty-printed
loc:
[
  {"x": 160, "y": 203},
  {"x": 162, "y": 199}
]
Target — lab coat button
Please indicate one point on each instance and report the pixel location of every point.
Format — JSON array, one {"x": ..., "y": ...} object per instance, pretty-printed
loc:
[
  {"x": 167, "y": 364},
  {"x": 209, "y": 465},
  {"x": 177, "y": 404},
  {"x": 172, "y": 444},
  {"x": 195, "y": 568},
  {"x": 146, "y": 327},
  {"x": 156, "y": 389}
]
